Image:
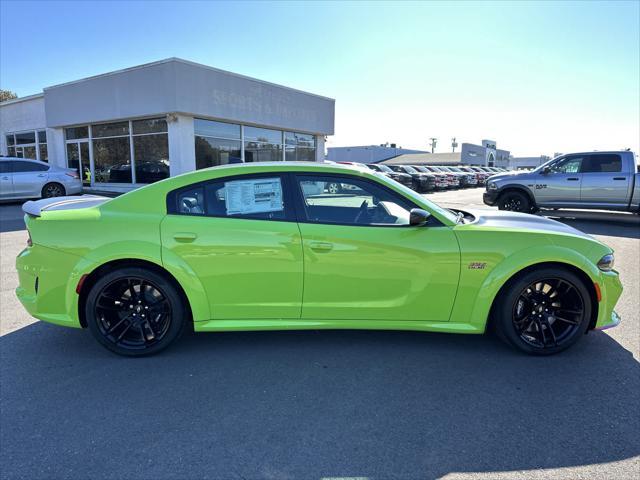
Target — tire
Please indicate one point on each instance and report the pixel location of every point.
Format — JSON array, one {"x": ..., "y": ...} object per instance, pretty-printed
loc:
[
  {"x": 333, "y": 188},
  {"x": 525, "y": 310},
  {"x": 53, "y": 189},
  {"x": 130, "y": 323},
  {"x": 514, "y": 201}
]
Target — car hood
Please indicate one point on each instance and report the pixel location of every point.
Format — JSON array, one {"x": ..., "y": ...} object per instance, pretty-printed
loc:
[
  {"x": 502, "y": 176},
  {"x": 514, "y": 220}
]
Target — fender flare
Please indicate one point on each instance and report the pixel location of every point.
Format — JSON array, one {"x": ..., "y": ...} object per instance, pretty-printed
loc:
[
  {"x": 516, "y": 263},
  {"x": 519, "y": 187},
  {"x": 186, "y": 278}
]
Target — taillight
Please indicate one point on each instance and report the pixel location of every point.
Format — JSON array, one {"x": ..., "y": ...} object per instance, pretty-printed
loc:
[
  {"x": 73, "y": 174},
  {"x": 29, "y": 242}
]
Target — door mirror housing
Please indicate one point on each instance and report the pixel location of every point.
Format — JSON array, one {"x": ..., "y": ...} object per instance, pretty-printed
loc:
[
  {"x": 418, "y": 217},
  {"x": 546, "y": 170}
]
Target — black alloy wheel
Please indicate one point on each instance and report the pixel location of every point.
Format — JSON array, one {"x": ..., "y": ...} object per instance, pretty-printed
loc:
[
  {"x": 135, "y": 312},
  {"x": 544, "y": 311},
  {"x": 515, "y": 202},
  {"x": 52, "y": 190}
]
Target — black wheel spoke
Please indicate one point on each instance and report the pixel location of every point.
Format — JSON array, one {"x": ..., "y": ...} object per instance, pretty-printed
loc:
[
  {"x": 548, "y": 312},
  {"x": 133, "y": 313}
]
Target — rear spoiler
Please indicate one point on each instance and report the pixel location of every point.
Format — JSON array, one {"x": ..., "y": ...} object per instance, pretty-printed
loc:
[{"x": 34, "y": 208}]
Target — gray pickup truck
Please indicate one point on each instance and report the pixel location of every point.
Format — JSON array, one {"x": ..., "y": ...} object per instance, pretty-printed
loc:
[{"x": 590, "y": 180}]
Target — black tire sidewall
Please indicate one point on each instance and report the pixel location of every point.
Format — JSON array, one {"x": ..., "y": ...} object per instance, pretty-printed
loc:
[
  {"x": 504, "y": 324},
  {"x": 178, "y": 309},
  {"x": 524, "y": 200},
  {"x": 61, "y": 187}
]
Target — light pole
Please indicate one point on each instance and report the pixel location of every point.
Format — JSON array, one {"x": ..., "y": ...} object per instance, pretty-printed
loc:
[{"x": 433, "y": 143}]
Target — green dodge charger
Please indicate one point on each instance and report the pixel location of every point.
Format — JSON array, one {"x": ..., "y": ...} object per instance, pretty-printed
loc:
[{"x": 273, "y": 246}]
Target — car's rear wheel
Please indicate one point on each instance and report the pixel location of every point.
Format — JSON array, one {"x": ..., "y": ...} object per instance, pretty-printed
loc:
[
  {"x": 52, "y": 189},
  {"x": 135, "y": 311},
  {"x": 514, "y": 201},
  {"x": 543, "y": 311}
]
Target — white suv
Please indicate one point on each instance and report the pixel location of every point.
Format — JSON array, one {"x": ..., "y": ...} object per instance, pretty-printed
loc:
[{"x": 23, "y": 178}]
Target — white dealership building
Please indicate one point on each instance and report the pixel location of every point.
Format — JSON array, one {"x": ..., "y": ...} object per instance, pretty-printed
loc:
[{"x": 134, "y": 126}]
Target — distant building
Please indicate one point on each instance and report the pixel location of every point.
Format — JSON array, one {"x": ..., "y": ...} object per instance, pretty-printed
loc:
[
  {"x": 527, "y": 163},
  {"x": 483, "y": 155},
  {"x": 367, "y": 153}
]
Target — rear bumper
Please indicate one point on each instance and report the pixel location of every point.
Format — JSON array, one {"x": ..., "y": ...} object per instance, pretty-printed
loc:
[{"x": 490, "y": 198}]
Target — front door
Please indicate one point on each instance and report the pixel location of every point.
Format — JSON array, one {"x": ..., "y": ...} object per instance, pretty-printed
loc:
[
  {"x": 560, "y": 186},
  {"x": 362, "y": 259},
  {"x": 240, "y": 238},
  {"x": 78, "y": 158}
]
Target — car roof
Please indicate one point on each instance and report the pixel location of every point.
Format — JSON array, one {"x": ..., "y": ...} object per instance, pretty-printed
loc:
[{"x": 12, "y": 159}]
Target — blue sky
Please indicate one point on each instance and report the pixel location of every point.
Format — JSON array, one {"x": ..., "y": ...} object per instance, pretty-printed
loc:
[{"x": 538, "y": 78}]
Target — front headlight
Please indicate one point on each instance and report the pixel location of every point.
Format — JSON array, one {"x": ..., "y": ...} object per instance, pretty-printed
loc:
[
  {"x": 491, "y": 186},
  {"x": 606, "y": 263}
]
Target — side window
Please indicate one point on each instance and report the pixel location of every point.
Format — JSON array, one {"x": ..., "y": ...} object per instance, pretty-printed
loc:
[
  {"x": 21, "y": 167},
  {"x": 602, "y": 163},
  {"x": 351, "y": 201},
  {"x": 260, "y": 198},
  {"x": 567, "y": 165},
  {"x": 5, "y": 167}
]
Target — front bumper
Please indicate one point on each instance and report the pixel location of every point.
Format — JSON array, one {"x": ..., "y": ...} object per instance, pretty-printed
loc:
[
  {"x": 615, "y": 321},
  {"x": 611, "y": 289},
  {"x": 490, "y": 198}
]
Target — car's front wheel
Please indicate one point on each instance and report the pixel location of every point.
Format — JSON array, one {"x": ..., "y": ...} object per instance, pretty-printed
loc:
[
  {"x": 514, "y": 201},
  {"x": 135, "y": 311},
  {"x": 543, "y": 311}
]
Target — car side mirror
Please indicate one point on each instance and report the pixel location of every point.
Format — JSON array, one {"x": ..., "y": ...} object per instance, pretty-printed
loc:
[
  {"x": 418, "y": 217},
  {"x": 546, "y": 170}
]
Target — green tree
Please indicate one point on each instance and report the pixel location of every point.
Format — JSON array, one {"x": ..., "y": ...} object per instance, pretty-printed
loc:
[{"x": 7, "y": 95}]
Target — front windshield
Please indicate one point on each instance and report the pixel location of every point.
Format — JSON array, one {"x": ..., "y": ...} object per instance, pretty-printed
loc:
[
  {"x": 384, "y": 168},
  {"x": 455, "y": 169},
  {"x": 410, "y": 169},
  {"x": 422, "y": 169}
]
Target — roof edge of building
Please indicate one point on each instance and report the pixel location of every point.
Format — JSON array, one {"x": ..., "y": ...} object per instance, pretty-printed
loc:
[
  {"x": 21, "y": 99},
  {"x": 186, "y": 62}
]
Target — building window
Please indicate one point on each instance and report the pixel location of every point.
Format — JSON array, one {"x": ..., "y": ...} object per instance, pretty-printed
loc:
[
  {"x": 217, "y": 143},
  {"x": 150, "y": 150},
  {"x": 299, "y": 147},
  {"x": 31, "y": 144},
  {"x": 262, "y": 145},
  {"x": 220, "y": 143}
]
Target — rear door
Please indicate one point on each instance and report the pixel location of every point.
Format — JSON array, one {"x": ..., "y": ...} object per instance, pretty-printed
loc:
[
  {"x": 240, "y": 237},
  {"x": 603, "y": 181},
  {"x": 362, "y": 259},
  {"x": 28, "y": 178},
  {"x": 561, "y": 185},
  {"x": 6, "y": 182}
]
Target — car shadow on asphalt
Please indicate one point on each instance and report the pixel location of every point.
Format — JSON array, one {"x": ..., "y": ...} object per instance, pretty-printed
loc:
[
  {"x": 613, "y": 224},
  {"x": 310, "y": 405},
  {"x": 11, "y": 217}
]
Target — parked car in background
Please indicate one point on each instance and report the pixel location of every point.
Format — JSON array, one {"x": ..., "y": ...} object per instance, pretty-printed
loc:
[
  {"x": 422, "y": 182},
  {"x": 441, "y": 178},
  {"x": 463, "y": 177},
  {"x": 471, "y": 177},
  {"x": 589, "y": 180},
  {"x": 23, "y": 178},
  {"x": 248, "y": 247},
  {"x": 482, "y": 174},
  {"x": 403, "y": 178}
]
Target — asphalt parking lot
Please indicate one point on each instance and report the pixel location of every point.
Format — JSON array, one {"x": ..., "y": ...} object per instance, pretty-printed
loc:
[{"x": 326, "y": 404}]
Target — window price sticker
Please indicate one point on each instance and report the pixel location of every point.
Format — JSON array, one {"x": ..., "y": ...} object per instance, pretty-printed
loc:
[{"x": 253, "y": 196}]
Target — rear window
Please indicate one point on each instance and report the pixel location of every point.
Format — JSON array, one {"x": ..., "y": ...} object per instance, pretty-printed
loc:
[{"x": 602, "y": 163}]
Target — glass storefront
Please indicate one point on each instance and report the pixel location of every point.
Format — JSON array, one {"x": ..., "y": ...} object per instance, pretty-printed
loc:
[
  {"x": 31, "y": 144},
  {"x": 112, "y": 146},
  {"x": 220, "y": 143}
]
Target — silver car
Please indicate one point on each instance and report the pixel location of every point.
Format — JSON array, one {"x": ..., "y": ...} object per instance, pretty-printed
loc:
[{"x": 22, "y": 178}]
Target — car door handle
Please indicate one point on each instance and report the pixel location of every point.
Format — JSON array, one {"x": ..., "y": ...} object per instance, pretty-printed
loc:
[
  {"x": 185, "y": 237},
  {"x": 619, "y": 178},
  {"x": 41, "y": 175},
  {"x": 572, "y": 179},
  {"x": 5, "y": 178},
  {"x": 320, "y": 246}
]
